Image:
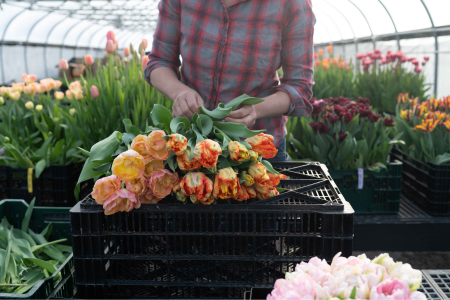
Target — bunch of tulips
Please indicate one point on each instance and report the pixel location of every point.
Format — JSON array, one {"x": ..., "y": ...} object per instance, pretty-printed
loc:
[
  {"x": 202, "y": 159},
  {"x": 343, "y": 134},
  {"x": 350, "y": 278},
  {"x": 426, "y": 127}
]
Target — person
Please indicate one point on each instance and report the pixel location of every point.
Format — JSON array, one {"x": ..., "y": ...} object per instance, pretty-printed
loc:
[{"x": 234, "y": 47}]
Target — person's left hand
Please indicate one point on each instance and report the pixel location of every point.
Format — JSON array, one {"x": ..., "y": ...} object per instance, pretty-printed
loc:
[{"x": 245, "y": 115}]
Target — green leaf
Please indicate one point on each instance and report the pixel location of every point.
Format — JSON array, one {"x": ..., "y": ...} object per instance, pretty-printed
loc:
[
  {"x": 223, "y": 163},
  {"x": 103, "y": 168},
  {"x": 243, "y": 100},
  {"x": 207, "y": 124},
  {"x": 269, "y": 167},
  {"x": 442, "y": 159},
  {"x": 30, "y": 283},
  {"x": 353, "y": 294},
  {"x": 129, "y": 128},
  {"x": 43, "y": 264},
  {"x": 219, "y": 113},
  {"x": 127, "y": 138},
  {"x": 85, "y": 152},
  {"x": 64, "y": 248},
  {"x": 103, "y": 149},
  {"x": 236, "y": 129},
  {"x": 27, "y": 217},
  {"x": 88, "y": 171},
  {"x": 179, "y": 122},
  {"x": 161, "y": 115},
  {"x": 47, "y": 230},
  {"x": 40, "y": 166}
]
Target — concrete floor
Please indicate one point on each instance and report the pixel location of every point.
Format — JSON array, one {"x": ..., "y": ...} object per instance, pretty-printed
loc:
[{"x": 418, "y": 260}]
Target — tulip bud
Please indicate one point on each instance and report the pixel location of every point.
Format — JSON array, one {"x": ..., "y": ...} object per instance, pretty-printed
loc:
[
  {"x": 110, "y": 47},
  {"x": 50, "y": 133},
  {"x": 142, "y": 53},
  {"x": 39, "y": 107},
  {"x": 94, "y": 92},
  {"x": 7, "y": 139},
  {"x": 144, "y": 44},
  {"x": 144, "y": 61},
  {"x": 59, "y": 95},
  {"x": 63, "y": 65},
  {"x": 126, "y": 51},
  {"x": 110, "y": 35},
  {"x": 123, "y": 81},
  {"x": 116, "y": 73},
  {"x": 56, "y": 119},
  {"x": 2, "y": 101},
  {"x": 29, "y": 105},
  {"x": 131, "y": 48},
  {"x": 88, "y": 61},
  {"x": 13, "y": 118},
  {"x": 72, "y": 111}
]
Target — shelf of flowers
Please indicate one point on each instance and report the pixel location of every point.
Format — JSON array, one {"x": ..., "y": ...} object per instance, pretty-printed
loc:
[
  {"x": 189, "y": 210},
  {"x": 354, "y": 142}
]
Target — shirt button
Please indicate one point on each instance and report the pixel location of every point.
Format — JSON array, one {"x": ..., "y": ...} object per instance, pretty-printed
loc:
[{"x": 222, "y": 43}]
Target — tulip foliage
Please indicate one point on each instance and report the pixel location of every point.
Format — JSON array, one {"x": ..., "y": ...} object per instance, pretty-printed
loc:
[
  {"x": 343, "y": 134},
  {"x": 426, "y": 128},
  {"x": 202, "y": 160}
]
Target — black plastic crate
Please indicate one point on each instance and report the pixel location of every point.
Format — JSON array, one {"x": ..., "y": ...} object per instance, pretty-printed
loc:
[
  {"x": 54, "y": 187},
  {"x": 170, "y": 250}
]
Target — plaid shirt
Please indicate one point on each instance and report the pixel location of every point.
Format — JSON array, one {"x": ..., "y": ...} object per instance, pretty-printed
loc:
[{"x": 235, "y": 51}]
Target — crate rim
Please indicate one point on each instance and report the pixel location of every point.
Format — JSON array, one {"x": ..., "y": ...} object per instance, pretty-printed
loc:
[{"x": 433, "y": 165}]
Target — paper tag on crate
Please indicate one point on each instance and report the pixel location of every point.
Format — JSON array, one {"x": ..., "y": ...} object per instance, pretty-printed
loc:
[
  {"x": 360, "y": 178},
  {"x": 30, "y": 180}
]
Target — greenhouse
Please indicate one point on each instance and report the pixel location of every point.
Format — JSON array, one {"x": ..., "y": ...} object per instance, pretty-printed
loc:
[{"x": 225, "y": 149}]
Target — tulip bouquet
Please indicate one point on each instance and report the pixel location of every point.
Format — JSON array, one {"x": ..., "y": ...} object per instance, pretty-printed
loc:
[
  {"x": 350, "y": 278},
  {"x": 343, "y": 134},
  {"x": 202, "y": 159},
  {"x": 332, "y": 75},
  {"x": 382, "y": 78},
  {"x": 426, "y": 128}
]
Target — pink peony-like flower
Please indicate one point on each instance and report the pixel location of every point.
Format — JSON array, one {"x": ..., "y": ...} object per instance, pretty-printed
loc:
[
  {"x": 128, "y": 165},
  {"x": 121, "y": 200},
  {"x": 162, "y": 182},
  {"x": 105, "y": 187},
  {"x": 156, "y": 145},
  {"x": 302, "y": 286},
  {"x": 148, "y": 197},
  {"x": 136, "y": 186},
  {"x": 391, "y": 289}
]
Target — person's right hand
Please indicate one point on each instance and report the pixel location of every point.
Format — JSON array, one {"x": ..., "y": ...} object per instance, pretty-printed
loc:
[{"x": 186, "y": 103}]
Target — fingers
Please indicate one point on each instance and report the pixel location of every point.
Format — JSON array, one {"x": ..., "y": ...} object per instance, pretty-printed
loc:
[
  {"x": 248, "y": 121},
  {"x": 185, "y": 109},
  {"x": 241, "y": 113},
  {"x": 192, "y": 103}
]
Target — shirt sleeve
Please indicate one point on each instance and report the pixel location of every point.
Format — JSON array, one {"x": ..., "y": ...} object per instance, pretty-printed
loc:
[
  {"x": 166, "y": 40},
  {"x": 297, "y": 57}
]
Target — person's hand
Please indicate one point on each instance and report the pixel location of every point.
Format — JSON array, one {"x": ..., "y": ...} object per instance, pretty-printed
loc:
[
  {"x": 186, "y": 103},
  {"x": 245, "y": 115}
]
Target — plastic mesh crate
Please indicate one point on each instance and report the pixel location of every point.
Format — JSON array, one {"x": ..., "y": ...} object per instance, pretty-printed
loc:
[
  {"x": 14, "y": 210},
  {"x": 440, "y": 280},
  {"x": 54, "y": 187},
  {"x": 380, "y": 193},
  {"x": 170, "y": 250}
]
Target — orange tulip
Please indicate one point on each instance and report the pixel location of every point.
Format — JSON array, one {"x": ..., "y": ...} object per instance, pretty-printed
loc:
[
  {"x": 128, "y": 165},
  {"x": 69, "y": 95},
  {"x": 177, "y": 143},
  {"x": 188, "y": 165},
  {"x": 316, "y": 55},
  {"x": 264, "y": 192},
  {"x": 138, "y": 145},
  {"x": 320, "y": 52},
  {"x": 110, "y": 47},
  {"x": 274, "y": 179},
  {"x": 198, "y": 187},
  {"x": 179, "y": 194},
  {"x": 63, "y": 65},
  {"x": 317, "y": 63},
  {"x": 136, "y": 186},
  {"x": 330, "y": 48},
  {"x": 153, "y": 166},
  {"x": 126, "y": 51},
  {"x": 348, "y": 68},
  {"x": 88, "y": 61},
  {"x": 406, "y": 114},
  {"x": 259, "y": 173},
  {"x": 162, "y": 182},
  {"x": 148, "y": 197},
  {"x": 341, "y": 65},
  {"x": 263, "y": 145},
  {"x": 156, "y": 145},
  {"x": 335, "y": 60},
  {"x": 207, "y": 152},
  {"x": 246, "y": 179},
  {"x": 144, "y": 61},
  {"x": 122, "y": 200},
  {"x": 427, "y": 125},
  {"x": 245, "y": 193},
  {"x": 238, "y": 152},
  {"x": 226, "y": 185}
]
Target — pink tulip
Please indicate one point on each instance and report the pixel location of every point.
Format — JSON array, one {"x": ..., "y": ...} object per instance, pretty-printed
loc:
[
  {"x": 426, "y": 58},
  {"x": 88, "y": 61},
  {"x": 377, "y": 51},
  {"x": 126, "y": 51},
  {"x": 424, "y": 63},
  {"x": 417, "y": 70},
  {"x": 94, "y": 92},
  {"x": 63, "y": 65},
  {"x": 391, "y": 289},
  {"x": 110, "y": 35},
  {"x": 394, "y": 68},
  {"x": 116, "y": 44},
  {"x": 383, "y": 61},
  {"x": 110, "y": 47},
  {"x": 144, "y": 44},
  {"x": 403, "y": 59},
  {"x": 144, "y": 61},
  {"x": 360, "y": 56}
]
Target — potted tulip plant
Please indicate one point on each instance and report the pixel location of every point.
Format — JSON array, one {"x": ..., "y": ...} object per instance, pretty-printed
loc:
[{"x": 355, "y": 142}]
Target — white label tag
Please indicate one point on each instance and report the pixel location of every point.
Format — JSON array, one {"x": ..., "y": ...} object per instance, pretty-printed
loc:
[{"x": 360, "y": 178}]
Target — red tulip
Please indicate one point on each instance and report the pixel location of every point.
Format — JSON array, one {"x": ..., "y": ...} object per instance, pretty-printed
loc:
[
  {"x": 331, "y": 117},
  {"x": 88, "y": 61},
  {"x": 366, "y": 112},
  {"x": 316, "y": 56},
  {"x": 348, "y": 117},
  {"x": 110, "y": 35},
  {"x": 94, "y": 92},
  {"x": 110, "y": 47},
  {"x": 144, "y": 61},
  {"x": 374, "y": 117},
  {"x": 320, "y": 127},
  {"x": 342, "y": 135},
  {"x": 426, "y": 58},
  {"x": 126, "y": 51},
  {"x": 388, "y": 122},
  {"x": 63, "y": 65}
]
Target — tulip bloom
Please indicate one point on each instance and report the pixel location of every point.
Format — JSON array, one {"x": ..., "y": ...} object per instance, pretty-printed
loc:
[
  {"x": 105, "y": 187},
  {"x": 179, "y": 194},
  {"x": 18, "y": 87},
  {"x": 29, "y": 105},
  {"x": 156, "y": 145},
  {"x": 253, "y": 155},
  {"x": 128, "y": 165},
  {"x": 320, "y": 52},
  {"x": 245, "y": 193},
  {"x": 264, "y": 191},
  {"x": 162, "y": 182},
  {"x": 238, "y": 152},
  {"x": 126, "y": 51},
  {"x": 88, "y": 61},
  {"x": 138, "y": 145},
  {"x": 198, "y": 187},
  {"x": 316, "y": 55},
  {"x": 136, "y": 186},
  {"x": 263, "y": 145},
  {"x": 122, "y": 200},
  {"x": 39, "y": 107},
  {"x": 177, "y": 144},
  {"x": 144, "y": 43},
  {"x": 148, "y": 197},
  {"x": 144, "y": 61},
  {"x": 14, "y": 96},
  {"x": 110, "y": 47},
  {"x": 28, "y": 78},
  {"x": 226, "y": 184},
  {"x": 447, "y": 124},
  {"x": 329, "y": 48},
  {"x": 427, "y": 125},
  {"x": 274, "y": 179},
  {"x": 116, "y": 44},
  {"x": 29, "y": 89},
  {"x": 188, "y": 165},
  {"x": 110, "y": 35},
  {"x": 2, "y": 101},
  {"x": 207, "y": 152},
  {"x": 63, "y": 65},
  {"x": 77, "y": 94},
  {"x": 259, "y": 173},
  {"x": 94, "y": 92},
  {"x": 153, "y": 166},
  {"x": 69, "y": 95},
  {"x": 57, "y": 84},
  {"x": 246, "y": 179},
  {"x": 59, "y": 95}
]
